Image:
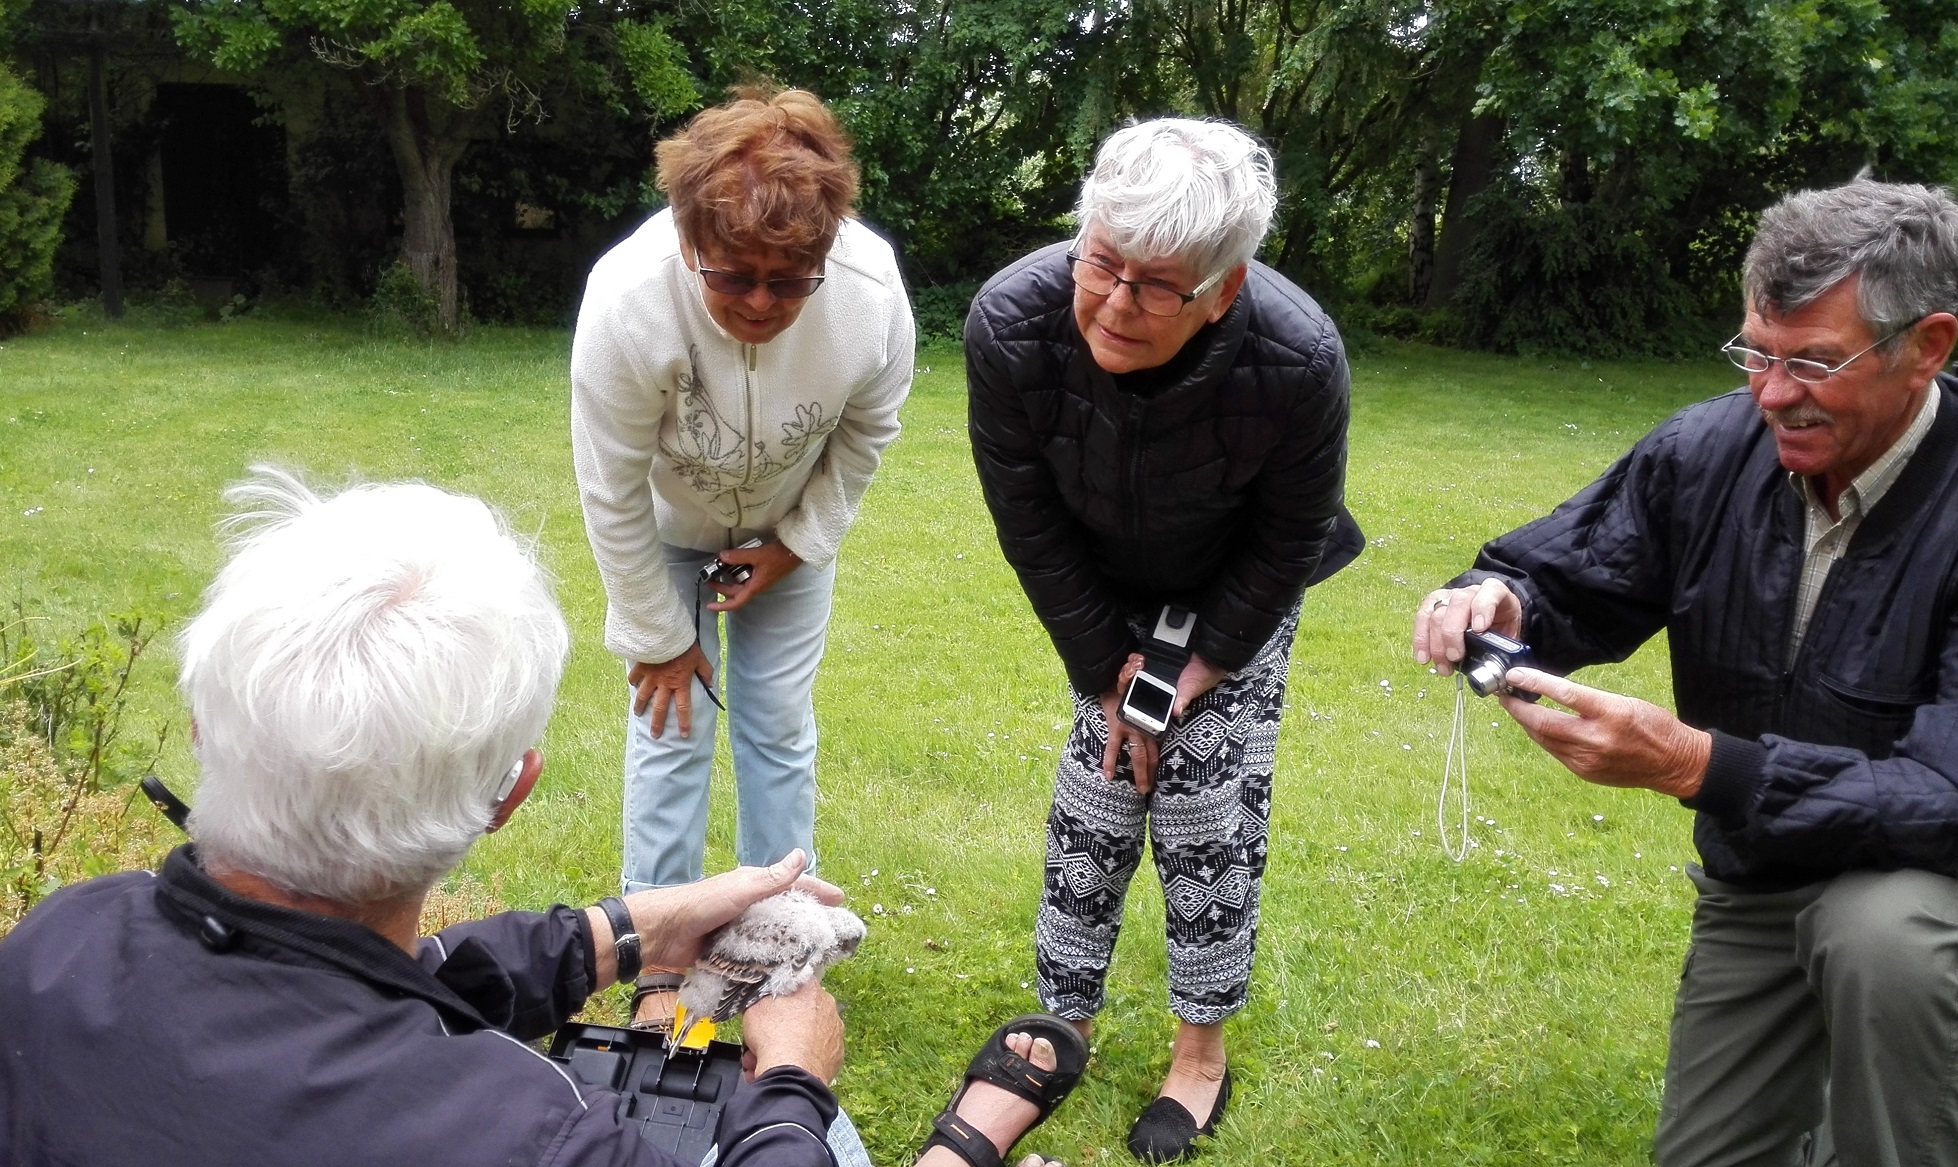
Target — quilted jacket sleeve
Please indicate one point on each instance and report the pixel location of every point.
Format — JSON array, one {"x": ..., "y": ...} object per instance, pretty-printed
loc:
[
  {"x": 1795, "y": 805},
  {"x": 1595, "y": 575},
  {"x": 527, "y": 973},
  {"x": 1045, "y": 544},
  {"x": 1295, "y": 525},
  {"x": 777, "y": 1120}
]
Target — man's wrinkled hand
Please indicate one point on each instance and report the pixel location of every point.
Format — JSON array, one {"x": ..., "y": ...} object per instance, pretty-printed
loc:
[
  {"x": 802, "y": 1029},
  {"x": 1609, "y": 738},
  {"x": 672, "y": 921},
  {"x": 1445, "y": 612}
]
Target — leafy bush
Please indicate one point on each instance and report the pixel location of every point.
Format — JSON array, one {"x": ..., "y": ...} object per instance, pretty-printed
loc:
[
  {"x": 401, "y": 304},
  {"x": 1581, "y": 279},
  {"x": 939, "y": 311},
  {"x": 68, "y": 810},
  {"x": 33, "y": 198}
]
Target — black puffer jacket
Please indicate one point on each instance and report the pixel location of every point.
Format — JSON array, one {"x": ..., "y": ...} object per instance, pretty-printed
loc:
[
  {"x": 1221, "y": 491},
  {"x": 1845, "y": 757}
]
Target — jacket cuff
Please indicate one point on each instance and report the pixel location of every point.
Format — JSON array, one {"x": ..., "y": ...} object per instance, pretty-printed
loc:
[
  {"x": 1735, "y": 770},
  {"x": 798, "y": 535},
  {"x": 754, "y": 1129},
  {"x": 1225, "y": 652}
]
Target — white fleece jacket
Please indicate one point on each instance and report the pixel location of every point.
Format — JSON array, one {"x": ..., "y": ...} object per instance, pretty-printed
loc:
[{"x": 680, "y": 434}]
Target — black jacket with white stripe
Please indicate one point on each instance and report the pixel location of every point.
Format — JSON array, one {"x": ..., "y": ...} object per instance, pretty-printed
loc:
[{"x": 162, "y": 1020}]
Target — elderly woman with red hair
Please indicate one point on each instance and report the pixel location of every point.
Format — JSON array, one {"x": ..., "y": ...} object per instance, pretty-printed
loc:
[{"x": 736, "y": 375}]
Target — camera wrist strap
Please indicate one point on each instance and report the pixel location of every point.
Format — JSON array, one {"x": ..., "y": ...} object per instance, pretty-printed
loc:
[
  {"x": 696, "y": 635},
  {"x": 1457, "y": 751}
]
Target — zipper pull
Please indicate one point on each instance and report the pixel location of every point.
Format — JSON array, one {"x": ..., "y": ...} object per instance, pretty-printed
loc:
[{"x": 753, "y": 352}]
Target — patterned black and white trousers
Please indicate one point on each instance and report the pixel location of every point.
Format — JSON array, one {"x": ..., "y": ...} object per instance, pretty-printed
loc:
[{"x": 1206, "y": 824}]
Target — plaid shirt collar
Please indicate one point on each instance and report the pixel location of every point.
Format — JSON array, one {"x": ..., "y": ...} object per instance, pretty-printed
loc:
[{"x": 1869, "y": 487}]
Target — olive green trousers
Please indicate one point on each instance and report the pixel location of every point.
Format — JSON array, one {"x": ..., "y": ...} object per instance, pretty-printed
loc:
[{"x": 1817, "y": 1026}]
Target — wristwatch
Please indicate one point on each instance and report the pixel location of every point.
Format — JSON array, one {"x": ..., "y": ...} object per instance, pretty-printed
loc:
[
  {"x": 1152, "y": 692},
  {"x": 1167, "y": 649},
  {"x": 625, "y": 940}
]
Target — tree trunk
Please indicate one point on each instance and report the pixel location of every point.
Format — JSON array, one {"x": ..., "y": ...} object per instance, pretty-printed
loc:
[
  {"x": 427, "y": 137},
  {"x": 1574, "y": 179},
  {"x": 1474, "y": 164},
  {"x": 1421, "y": 225},
  {"x": 107, "y": 244}
]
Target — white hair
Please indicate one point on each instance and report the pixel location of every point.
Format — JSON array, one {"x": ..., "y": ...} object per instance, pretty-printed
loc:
[
  {"x": 1198, "y": 191},
  {"x": 365, "y": 672}
]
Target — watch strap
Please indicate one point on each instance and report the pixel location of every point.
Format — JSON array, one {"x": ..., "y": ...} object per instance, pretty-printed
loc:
[{"x": 625, "y": 938}]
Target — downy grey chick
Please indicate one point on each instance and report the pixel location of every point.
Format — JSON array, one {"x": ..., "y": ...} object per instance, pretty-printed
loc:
[{"x": 773, "y": 948}]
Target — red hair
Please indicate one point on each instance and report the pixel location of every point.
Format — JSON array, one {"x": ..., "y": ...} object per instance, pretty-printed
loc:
[{"x": 767, "y": 170}]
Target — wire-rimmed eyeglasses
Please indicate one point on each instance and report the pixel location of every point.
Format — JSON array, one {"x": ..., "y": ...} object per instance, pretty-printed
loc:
[
  {"x": 1153, "y": 298},
  {"x": 1809, "y": 372}
]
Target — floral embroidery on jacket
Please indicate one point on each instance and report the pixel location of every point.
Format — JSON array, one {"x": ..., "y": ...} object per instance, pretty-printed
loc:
[{"x": 712, "y": 454}]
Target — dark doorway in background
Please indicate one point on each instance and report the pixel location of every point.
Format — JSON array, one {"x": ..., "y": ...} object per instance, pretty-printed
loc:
[{"x": 224, "y": 185}]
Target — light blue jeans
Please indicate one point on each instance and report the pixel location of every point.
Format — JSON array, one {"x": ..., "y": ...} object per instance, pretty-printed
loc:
[{"x": 773, "y": 646}]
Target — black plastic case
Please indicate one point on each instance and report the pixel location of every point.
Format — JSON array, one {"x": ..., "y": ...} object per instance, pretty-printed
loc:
[{"x": 675, "y": 1099}]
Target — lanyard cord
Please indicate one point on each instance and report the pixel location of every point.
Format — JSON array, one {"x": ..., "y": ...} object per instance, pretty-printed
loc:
[
  {"x": 1457, "y": 748},
  {"x": 717, "y": 701}
]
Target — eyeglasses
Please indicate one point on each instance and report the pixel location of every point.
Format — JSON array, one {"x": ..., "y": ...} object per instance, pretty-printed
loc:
[
  {"x": 791, "y": 288},
  {"x": 1800, "y": 368},
  {"x": 1155, "y": 299}
]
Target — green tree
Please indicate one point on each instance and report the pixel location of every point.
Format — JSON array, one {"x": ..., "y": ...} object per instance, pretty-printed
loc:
[
  {"x": 962, "y": 110},
  {"x": 34, "y": 195},
  {"x": 1642, "y": 136},
  {"x": 437, "y": 75}
]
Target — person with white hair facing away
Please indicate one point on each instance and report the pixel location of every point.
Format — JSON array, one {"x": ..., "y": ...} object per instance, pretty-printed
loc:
[
  {"x": 368, "y": 678},
  {"x": 1159, "y": 423}
]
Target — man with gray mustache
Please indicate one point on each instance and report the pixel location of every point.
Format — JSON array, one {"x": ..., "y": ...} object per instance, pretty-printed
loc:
[{"x": 1798, "y": 543}]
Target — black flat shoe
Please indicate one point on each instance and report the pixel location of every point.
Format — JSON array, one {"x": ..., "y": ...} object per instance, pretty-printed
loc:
[{"x": 1167, "y": 1132}]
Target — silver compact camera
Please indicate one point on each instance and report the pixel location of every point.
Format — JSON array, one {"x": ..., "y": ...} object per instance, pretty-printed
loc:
[
  {"x": 729, "y": 574},
  {"x": 1487, "y": 658}
]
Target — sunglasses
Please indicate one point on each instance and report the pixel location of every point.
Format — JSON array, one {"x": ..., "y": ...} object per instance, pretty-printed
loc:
[{"x": 728, "y": 283}]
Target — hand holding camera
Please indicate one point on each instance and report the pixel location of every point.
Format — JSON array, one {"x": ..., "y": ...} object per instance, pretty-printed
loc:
[
  {"x": 1446, "y": 615},
  {"x": 741, "y": 573}
]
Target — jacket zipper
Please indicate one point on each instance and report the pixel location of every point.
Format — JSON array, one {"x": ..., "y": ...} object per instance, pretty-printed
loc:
[
  {"x": 748, "y": 352},
  {"x": 1135, "y": 465}
]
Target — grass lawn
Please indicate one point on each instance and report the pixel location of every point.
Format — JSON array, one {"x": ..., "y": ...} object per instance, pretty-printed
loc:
[{"x": 1406, "y": 1009}]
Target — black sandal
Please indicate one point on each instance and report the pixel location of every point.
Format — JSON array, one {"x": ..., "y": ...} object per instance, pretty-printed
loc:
[
  {"x": 645, "y": 985},
  {"x": 1001, "y": 1067}
]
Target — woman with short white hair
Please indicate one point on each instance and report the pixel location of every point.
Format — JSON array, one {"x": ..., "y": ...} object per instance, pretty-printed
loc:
[{"x": 1159, "y": 423}]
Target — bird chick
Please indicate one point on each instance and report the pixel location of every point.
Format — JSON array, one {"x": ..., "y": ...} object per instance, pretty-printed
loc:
[{"x": 772, "y": 949}]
